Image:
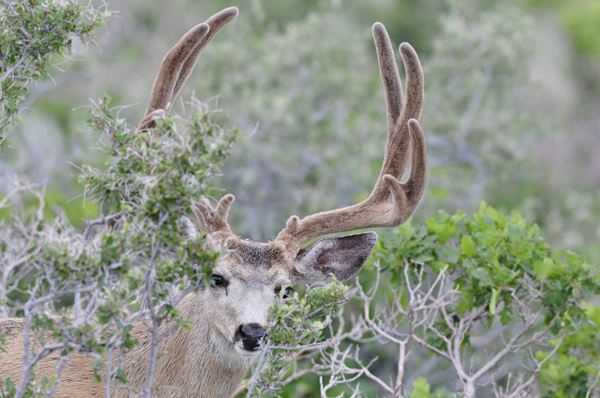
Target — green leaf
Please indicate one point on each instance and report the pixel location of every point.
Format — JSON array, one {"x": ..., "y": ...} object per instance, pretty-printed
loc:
[
  {"x": 318, "y": 325},
  {"x": 494, "y": 301},
  {"x": 505, "y": 315},
  {"x": 467, "y": 303},
  {"x": 421, "y": 389},
  {"x": 574, "y": 261},
  {"x": 548, "y": 269},
  {"x": 444, "y": 231},
  {"x": 515, "y": 232},
  {"x": 404, "y": 299},
  {"x": 467, "y": 246}
]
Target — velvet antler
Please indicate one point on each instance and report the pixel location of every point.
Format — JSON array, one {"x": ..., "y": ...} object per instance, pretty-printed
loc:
[
  {"x": 177, "y": 65},
  {"x": 391, "y": 203}
]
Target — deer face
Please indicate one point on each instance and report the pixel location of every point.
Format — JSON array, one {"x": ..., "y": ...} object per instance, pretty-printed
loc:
[
  {"x": 249, "y": 277},
  {"x": 245, "y": 283}
]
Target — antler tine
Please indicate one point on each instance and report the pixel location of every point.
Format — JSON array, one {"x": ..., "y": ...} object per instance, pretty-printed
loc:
[
  {"x": 397, "y": 148},
  {"x": 215, "y": 23},
  {"x": 415, "y": 83},
  {"x": 213, "y": 221},
  {"x": 179, "y": 63},
  {"x": 162, "y": 96},
  {"x": 389, "y": 74},
  {"x": 391, "y": 203},
  {"x": 415, "y": 186}
]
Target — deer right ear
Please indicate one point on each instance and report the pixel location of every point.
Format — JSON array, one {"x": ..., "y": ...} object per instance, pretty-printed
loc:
[
  {"x": 188, "y": 226},
  {"x": 340, "y": 256}
]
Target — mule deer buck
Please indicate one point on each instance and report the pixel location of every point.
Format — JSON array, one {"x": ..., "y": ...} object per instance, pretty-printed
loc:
[{"x": 229, "y": 317}]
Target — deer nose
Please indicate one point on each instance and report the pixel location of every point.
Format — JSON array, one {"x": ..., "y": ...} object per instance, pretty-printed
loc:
[{"x": 251, "y": 334}]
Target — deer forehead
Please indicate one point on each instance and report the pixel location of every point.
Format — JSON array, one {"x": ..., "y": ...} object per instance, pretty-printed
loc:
[{"x": 254, "y": 262}]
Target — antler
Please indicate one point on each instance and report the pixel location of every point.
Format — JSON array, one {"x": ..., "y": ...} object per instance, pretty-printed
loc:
[
  {"x": 177, "y": 65},
  {"x": 391, "y": 203},
  {"x": 214, "y": 221}
]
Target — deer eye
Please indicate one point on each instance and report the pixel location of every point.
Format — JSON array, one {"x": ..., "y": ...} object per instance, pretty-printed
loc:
[
  {"x": 286, "y": 293},
  {"x": 218, "y": 280}
]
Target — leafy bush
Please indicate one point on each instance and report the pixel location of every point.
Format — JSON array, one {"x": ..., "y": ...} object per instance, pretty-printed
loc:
[
  {"x": 93, "y": 278},
  {"x": 32, "y": 32},
  {"x": 482, "y": 300}
]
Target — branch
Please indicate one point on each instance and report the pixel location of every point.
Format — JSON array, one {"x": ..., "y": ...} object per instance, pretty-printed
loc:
[
  {"x": 529, "y": 383},
  {"x": 591, "y": 389},
  {"x": 101, "y": 220}
]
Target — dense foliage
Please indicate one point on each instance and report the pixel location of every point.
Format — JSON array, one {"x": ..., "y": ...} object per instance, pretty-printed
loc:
[
  {"x": 32, "y": 32},
  {"x": 478, "y": 306},
  {"x": 503, "y": 274},
  {"x": 129, "y": 259}
]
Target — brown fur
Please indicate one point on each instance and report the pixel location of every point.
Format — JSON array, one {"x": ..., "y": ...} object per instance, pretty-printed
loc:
[
  {"x": 77, "y": 380},
  {"x": 187, "y": 356},
  {"x": 187, "y": 360}
]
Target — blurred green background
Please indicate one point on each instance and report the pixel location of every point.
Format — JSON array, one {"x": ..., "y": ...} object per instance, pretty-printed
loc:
[{"x": 511, "y": 110}]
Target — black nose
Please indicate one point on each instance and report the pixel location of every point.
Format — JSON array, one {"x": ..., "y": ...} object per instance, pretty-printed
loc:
[{"x": 251, "y": 334}]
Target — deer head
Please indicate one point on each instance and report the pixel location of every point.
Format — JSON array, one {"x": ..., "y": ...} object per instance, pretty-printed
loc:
[{"x": 249, "y": 276}]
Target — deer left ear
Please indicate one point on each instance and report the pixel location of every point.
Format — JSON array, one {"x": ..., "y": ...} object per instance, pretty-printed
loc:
[{"x": 342, "y": 256}]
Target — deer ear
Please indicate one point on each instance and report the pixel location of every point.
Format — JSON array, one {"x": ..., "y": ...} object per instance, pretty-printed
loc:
[
  {"x": 187, "y": 225},
  {"x": 342, "y": 256}
]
